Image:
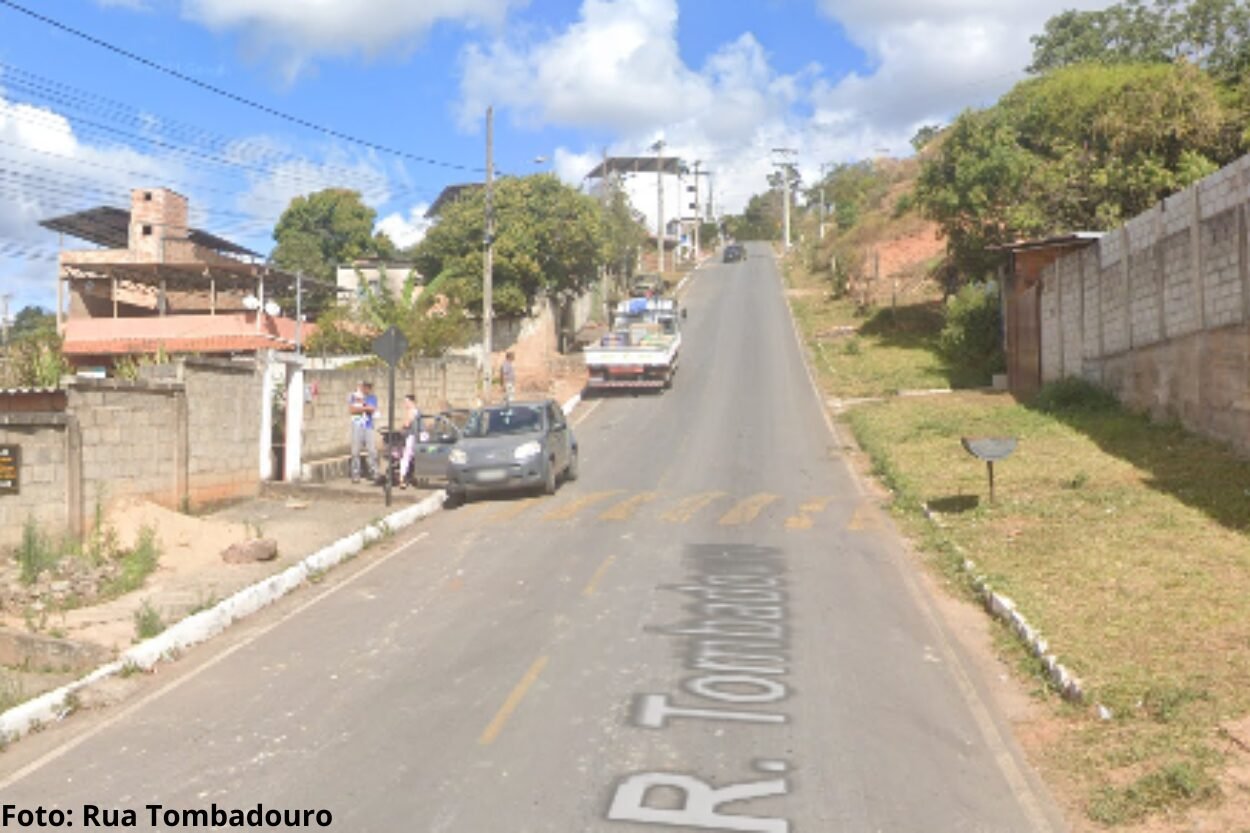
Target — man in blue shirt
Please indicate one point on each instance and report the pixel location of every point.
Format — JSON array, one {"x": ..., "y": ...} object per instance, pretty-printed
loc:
[{"x": 362, "y": 405}]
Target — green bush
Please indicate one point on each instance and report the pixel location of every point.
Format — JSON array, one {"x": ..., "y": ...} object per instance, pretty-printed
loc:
[
  {"x": 1068, "y": 396},
  {"x": 36, "y": 553},
  {"x": 971, "y": 335}
]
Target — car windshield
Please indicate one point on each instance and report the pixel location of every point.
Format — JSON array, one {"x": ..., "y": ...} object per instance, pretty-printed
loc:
[{"x": 496, "y": 422}]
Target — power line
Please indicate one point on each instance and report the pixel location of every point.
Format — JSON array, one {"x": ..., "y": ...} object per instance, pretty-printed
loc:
[{"x": 235, "y": 97}]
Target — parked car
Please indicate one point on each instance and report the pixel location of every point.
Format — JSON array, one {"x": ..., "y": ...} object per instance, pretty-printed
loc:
[
  {"x": 734, "y": 252},
  {"x": 436, "y": 435},
  {"x": 647, "y": 285},
  {"x": 522, "y": 445}
]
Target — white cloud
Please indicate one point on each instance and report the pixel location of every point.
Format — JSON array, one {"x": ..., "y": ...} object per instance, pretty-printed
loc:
[
  {"x": 296, "y": 31},
  {"x": 930, "y": 59},
  {"x": 406, "y": 232},
  {"x": 46, "y": 170}
]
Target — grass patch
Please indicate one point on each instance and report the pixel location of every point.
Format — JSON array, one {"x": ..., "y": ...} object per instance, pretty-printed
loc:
[
  {"x": 134, "y": 566},
  {"x": 10, "y": 692},
  {"x": 37, "y": 553},
  {"x": 872, "y": 354},
  {"x": 148, "y": 621},
  {"x": 1121, "y": 539}
]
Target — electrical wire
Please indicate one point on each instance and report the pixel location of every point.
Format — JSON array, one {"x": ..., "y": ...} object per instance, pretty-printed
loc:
[{"x": 232, "y": 96}]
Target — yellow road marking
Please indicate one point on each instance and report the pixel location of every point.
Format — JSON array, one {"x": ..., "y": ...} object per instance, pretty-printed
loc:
[
  {"x": 625, "y": 510},
  {"x": 570, "y": 509},
  {"x": 748, "y": 509},
  {"x": 863, "y": 518},
  {"x": 514, "y": 509},
  {"x": 598, "y": 576},
  {"x": 510, "y": 705},
  {"x": 691, "y": 506},
  {"x": 805, "y": 519}
]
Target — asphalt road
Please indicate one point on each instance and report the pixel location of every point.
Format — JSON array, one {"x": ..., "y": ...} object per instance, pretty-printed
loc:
[{"x": 713, "y": 629}]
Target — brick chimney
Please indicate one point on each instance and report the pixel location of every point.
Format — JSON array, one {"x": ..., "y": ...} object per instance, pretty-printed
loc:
[{"x": 156, "y": 215}]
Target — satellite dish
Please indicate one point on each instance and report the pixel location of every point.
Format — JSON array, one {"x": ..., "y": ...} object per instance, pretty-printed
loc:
[
  {"x": 272, "y": 310},
  {"x": 251, "y": 302}
]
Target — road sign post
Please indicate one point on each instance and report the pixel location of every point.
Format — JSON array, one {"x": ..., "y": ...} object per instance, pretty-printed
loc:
[{"x": 390, "y": 347}]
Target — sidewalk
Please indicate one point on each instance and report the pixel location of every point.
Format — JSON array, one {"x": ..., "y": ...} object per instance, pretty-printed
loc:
[{"x": 47, "y": 646}]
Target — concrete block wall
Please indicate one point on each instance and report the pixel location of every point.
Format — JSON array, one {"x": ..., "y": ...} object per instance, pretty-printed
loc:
[
  {"x": 223, "y": 430},
  {"x": 44, "y": 474},
  {"x": 130, "y": 439},
  {"x": 1159, "y": 311},
  {"x": 327, "y": 427}
]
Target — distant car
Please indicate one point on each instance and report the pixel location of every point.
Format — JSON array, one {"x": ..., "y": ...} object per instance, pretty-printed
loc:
[
  {"x": 734, "y": 252},
  {"x": 646, "y": 285},
  {"x": 524, "y": 445}
]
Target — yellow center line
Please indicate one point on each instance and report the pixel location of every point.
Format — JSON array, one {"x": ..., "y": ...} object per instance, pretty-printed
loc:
[
  {"x": 598, "y": 576},
  {"x": 691, "y": 506},
  {"x": 570, "y": 510},
  {"x": 513, "y": 510},
  {"x": 748, "y": 509},
  {"x": 625, "y": 510},
  {"x": 510, "y": 705}
]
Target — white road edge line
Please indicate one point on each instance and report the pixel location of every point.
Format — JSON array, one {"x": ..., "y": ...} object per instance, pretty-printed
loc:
[{"x": 51, "y": 707}]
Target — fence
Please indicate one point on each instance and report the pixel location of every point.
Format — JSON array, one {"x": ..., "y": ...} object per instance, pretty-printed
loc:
[{"x": 1159, "y": 310}]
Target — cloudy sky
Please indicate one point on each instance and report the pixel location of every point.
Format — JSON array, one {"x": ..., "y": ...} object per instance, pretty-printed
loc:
[{"x": 721, "y": 81}]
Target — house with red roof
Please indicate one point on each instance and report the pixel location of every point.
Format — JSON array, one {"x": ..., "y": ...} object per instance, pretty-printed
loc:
[{"x": 155, "y": 285}]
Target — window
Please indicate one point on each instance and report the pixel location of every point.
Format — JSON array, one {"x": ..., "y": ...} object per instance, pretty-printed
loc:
[
  {"x": 147, "y": 196},
  {"x": 147, "y": 231}
]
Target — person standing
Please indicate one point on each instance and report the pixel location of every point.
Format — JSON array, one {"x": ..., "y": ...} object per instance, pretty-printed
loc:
[
  {"x": 362, "y": 405},
  {"x": 411, "y": 428},
  {"x": 507, "y": 377}
]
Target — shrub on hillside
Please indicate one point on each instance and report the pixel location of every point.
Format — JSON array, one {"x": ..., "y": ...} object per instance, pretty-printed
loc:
[
  {"x": 1074, "y": 395},
  {"x": 971, "y": 334}
]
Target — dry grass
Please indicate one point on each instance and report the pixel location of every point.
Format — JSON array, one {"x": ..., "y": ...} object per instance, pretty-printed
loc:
[{"x": 1128, "y": 544}]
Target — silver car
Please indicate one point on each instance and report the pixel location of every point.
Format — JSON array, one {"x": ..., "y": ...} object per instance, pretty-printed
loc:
[{"x": 523, "y": 445}]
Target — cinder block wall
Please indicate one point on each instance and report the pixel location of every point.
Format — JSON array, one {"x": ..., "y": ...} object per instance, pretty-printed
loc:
[
  {"x": 130, "y": 432},
  {"x": 327, "y": 426},
  {"x": 223, "y": 430},
  {"x": 43, "y": 474},
  {"x": 1159, "y": 310}
]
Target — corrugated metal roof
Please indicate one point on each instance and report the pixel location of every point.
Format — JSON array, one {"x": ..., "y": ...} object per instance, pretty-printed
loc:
[{"x": 110, "y": 227}]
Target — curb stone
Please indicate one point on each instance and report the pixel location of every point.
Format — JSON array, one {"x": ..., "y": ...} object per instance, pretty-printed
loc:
[
  {"x": 55, "y": 705},
  {"x": 1004, "y": 609}
]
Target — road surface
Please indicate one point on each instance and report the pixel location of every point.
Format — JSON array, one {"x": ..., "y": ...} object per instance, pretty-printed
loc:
[{"x": 713, "y": 629}]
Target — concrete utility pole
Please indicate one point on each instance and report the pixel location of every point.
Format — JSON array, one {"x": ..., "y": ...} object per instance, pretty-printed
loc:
[
  {"x": 658, "y": 147},
  {"x": 4, "y": 317},
  {"x": 488, "y": 261},
  {"x": 698, "y": 218},
  {"x": 785, "y": 167}
]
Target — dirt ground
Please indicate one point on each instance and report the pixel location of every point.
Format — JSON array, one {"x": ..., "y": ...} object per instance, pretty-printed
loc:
[{"x": 191, "y": 574}]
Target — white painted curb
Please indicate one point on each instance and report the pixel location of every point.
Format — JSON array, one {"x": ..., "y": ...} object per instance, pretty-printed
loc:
[
  {"x": 1004, "y": 609},
  {"x": 206, "y": 624}
]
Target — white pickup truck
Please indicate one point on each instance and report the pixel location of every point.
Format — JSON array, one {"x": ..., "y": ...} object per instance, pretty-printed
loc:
[{"x": 642, "y": 349}]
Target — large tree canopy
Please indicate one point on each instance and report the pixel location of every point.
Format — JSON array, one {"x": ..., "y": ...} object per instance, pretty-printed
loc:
[
  {"x": 1212, "y": 34},
  {"x": 1081, "y": 148},
  {"x": 319, "y": 231},
  {"x": 760, "y": 220},
  {"x": 549, "y": 238}
]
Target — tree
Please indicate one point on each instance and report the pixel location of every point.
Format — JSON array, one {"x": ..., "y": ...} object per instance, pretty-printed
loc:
[
  {"x": 924, "y": 136},
  {"x": 550, "y": 239},
  {"x": 1081, "y": 148},
  {"x": 319, "y": 231},
  {"x": 1212, "y": 34},
  {"x": 31, "y": 320},
  {"x": 624, "y": 232},
  {"x": 760, "y": 220}
]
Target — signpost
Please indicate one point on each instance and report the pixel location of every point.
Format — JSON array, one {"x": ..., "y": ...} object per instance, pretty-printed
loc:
[
  {"x": 390, "y": 347},
  {"x": 991, "y": 450},
  {"x": 10, "y": 469}
]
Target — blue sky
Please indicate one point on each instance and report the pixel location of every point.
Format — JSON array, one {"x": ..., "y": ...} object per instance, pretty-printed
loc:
[{"x": 721, "y": 81}]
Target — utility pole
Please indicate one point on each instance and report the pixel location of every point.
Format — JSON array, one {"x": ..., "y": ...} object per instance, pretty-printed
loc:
[
  {"x": 786, "y": 168},
  {"x": 488, "y": 261},
  {"x": 658, "y": 147},
  {"x": 698, "y": 217},
  {"x": 4, "y": 317}
]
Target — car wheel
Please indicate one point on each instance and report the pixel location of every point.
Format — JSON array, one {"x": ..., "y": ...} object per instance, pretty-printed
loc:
[
  {"x": 571, "y": 473},
  {"x": 549, "y": 478},
  {"x": 455, "y": 498}
]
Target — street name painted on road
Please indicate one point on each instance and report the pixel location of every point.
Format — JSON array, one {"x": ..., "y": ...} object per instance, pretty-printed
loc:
[{"x": 737, "y": 647}]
